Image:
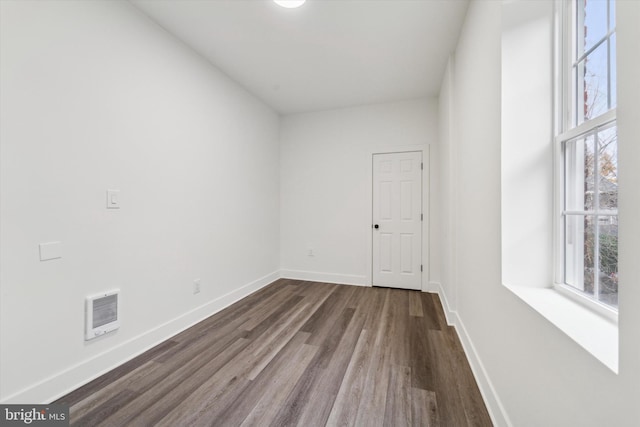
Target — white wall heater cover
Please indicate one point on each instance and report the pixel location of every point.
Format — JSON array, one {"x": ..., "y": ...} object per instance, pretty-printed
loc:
[{"x": 102, "y": 314}]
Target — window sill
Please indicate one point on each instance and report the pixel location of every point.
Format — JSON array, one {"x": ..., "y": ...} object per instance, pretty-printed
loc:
[{"x": 593, "y": 332}]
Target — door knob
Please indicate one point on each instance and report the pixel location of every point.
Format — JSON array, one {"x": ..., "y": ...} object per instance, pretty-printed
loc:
[{"x": 376, "y": 226}]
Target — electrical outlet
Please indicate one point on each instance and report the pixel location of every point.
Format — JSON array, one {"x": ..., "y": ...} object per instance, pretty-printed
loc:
[
  {"x": 196, "y": 286},
  {"x": 310, "y": 252}
]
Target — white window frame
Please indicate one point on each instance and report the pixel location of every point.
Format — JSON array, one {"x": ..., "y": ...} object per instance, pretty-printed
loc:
[{"x": 565, "y": 132}]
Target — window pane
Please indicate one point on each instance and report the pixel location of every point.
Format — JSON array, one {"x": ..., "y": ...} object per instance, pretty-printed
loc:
[
  {"x": 593, "y": 84},
  {"x": 614, "y": 72},
  {"x": 608, "y": 168},
  {"x": 577, "y": 87},
  {"x": 580, "y": 252},
  {"x": 574, "y": 258},
  {"x": 612, "y": 14},
  {"x": 608, "y": 277},
  {"x": 579, "y": 174},
  {"x": 589, "y": 254},
  {"x": 578, "y": 29},
  {"x": 595, "y": 23}
]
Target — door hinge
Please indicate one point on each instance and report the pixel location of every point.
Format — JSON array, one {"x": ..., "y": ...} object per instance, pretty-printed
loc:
[
  {"x": 421, "y": 217},
  {"x": 420, "y": 267},
  {"x": 421, "y": 165}
]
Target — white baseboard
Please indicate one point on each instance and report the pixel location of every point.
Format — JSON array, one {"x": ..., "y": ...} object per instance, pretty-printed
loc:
[
  {"x": 449, "y": 313},
  {"x": 434, "y": 287},
  {"x": 312, "y": 276},
  {"x": 494, "y": 404},
  {"x": 76, "y": 376}
]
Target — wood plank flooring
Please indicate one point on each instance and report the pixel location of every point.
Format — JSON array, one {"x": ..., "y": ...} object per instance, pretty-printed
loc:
[{"x": 297, "y": 353}]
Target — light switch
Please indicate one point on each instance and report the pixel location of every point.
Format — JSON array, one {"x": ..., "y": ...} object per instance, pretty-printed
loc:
[
  {"x": 113, "y": 199},
  {"x": 50, "y": 250}
]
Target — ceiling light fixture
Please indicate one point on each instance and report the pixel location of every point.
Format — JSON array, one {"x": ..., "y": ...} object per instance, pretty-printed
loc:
[{"x": 289, "y": 4}]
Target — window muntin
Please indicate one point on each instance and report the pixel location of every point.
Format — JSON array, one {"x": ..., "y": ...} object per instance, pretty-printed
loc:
[{"x": 589, "y": 223}]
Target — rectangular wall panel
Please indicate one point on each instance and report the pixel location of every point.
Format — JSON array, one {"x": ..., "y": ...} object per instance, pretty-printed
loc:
[
  {"x": 406, "y": 205},
  {"x": 386, "y": 246},
  {"x": 406, "y": 253},
  {"x": 386, "y": 166},
  {"x": 386, "y": 212}
]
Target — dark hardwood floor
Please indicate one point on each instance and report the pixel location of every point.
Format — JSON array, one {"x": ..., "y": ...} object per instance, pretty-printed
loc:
[{"x": 297, "y": 353}]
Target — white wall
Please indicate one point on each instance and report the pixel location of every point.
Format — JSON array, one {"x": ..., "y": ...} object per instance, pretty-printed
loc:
[
  {"x": 447, "y": 176},
  {"x": 325, "y": 161},
  {"x": 96, "y": 96},
  {"x": 539, "y": 375},
  {"x": 526, "y": 142}
]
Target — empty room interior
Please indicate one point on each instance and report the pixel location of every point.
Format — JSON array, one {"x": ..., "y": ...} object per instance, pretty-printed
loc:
[{"x": 347, "y": 212}]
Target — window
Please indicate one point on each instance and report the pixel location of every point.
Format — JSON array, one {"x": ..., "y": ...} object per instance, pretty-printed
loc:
[
  {"x": 564, "y": 48},
  {"x": 587, "y": 145}
]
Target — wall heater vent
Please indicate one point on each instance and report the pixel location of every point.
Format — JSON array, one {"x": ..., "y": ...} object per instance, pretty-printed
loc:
[{"x": 102, "y": 314}]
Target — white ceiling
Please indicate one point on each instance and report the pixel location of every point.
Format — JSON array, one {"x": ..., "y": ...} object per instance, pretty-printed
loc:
[{"x": 325, "y": 54}]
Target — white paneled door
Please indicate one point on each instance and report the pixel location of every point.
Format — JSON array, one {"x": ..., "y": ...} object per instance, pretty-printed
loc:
[{"x": 397, "y": 220}]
